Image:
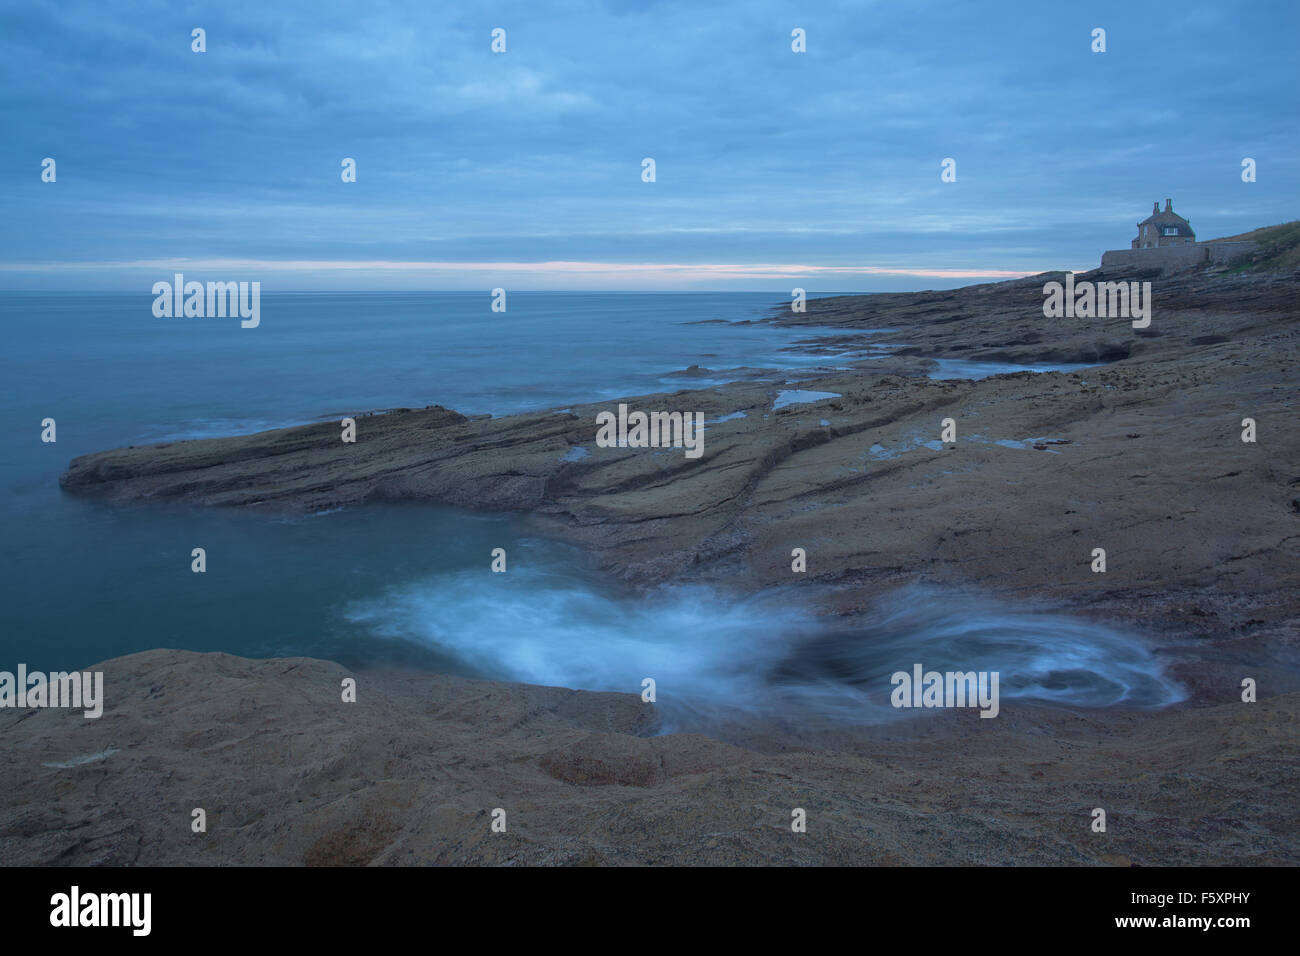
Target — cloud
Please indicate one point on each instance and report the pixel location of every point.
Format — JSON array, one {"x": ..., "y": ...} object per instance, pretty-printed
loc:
[{"x": 763, "y": 155}]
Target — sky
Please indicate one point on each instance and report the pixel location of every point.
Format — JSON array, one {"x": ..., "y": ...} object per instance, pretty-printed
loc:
[{"x": 523, "y": 169}]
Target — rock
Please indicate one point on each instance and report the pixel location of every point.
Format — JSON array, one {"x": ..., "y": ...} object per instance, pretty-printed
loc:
[{"x": 411, "y": 774}]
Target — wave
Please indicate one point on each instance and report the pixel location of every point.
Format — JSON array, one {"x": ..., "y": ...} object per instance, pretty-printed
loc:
[{"x": 768, "y": 654}]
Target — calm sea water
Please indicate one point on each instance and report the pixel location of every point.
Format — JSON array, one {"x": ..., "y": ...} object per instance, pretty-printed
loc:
[{"x": 82, "y": 581}]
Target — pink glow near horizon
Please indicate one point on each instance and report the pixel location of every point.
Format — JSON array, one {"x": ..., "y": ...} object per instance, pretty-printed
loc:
[{"x": 636, "y": 270}]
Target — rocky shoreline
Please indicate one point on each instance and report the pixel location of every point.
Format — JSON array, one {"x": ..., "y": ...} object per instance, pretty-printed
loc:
[{"x": 1140, "y": 454}]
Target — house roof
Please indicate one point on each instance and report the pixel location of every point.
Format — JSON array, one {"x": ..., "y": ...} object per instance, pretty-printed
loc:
[
  {"x": 1169, "y": 219},
  {"x": 1167, "y": 215}
]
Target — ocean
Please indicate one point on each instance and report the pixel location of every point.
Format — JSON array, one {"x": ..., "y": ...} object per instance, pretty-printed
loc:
[
  {"x": 83, "y": 581},
  {"x": 398, "y": 585}
]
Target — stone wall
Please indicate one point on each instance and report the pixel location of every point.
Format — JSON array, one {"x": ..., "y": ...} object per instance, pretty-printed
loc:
[{"x": 1176, "y": 258}]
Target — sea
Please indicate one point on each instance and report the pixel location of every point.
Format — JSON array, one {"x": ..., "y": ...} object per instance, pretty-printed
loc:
[{"x": 409, "y": 585}]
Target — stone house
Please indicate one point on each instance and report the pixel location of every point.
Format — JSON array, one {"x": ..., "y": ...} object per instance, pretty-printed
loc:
[{"x": 1163, "y": 229}]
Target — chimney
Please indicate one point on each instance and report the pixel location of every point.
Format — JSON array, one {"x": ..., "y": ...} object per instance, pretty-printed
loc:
[
  {"x": 1169, "y": 205},
  {"x": 1155, "y": 208}
]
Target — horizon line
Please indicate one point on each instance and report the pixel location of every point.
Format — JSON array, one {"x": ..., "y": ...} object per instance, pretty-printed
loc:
[{"x": 627, "y": 270}]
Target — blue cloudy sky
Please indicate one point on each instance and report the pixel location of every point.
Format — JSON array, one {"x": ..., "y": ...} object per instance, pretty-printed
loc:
[{"x": 523, "y": 169}]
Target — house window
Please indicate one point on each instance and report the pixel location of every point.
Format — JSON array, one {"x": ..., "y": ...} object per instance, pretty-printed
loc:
[{"x": 1171, "y": 230}]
